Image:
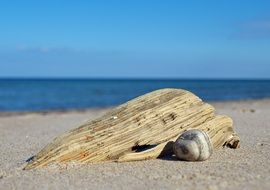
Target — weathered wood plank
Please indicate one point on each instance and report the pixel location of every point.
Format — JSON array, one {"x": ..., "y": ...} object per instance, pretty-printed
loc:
[{"x": 156, "y": 118}]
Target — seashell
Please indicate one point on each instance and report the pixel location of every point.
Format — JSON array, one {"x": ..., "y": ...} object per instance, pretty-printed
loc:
[
  {"x": 140, "y": 129},
  {"x": 193, "y": 145}
]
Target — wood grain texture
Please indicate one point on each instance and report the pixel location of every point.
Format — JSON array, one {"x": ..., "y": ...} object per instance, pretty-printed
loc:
[{"x": 156, "y": 119}]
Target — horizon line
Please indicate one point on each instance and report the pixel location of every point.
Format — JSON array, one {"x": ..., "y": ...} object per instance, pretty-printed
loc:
[{"x": 130, "y": 78}]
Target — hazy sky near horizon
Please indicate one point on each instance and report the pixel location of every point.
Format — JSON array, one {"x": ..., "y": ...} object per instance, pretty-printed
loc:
[{"x": 135, "y": 39}]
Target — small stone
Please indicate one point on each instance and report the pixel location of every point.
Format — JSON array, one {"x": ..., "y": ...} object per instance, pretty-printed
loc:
[{"x": 193, "y": 145}]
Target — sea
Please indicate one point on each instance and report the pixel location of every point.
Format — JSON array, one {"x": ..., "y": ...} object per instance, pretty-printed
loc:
[{"x": 68, "y": 94}]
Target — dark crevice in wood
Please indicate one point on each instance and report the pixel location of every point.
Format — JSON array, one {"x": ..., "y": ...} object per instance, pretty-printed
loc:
[{"x": 141, "y": 148}]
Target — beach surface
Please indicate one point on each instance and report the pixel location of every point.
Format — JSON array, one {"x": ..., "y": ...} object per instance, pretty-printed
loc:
[{"x": 24, "y": 134}]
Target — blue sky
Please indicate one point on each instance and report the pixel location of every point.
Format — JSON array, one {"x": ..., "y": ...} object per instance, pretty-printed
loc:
[{"x": 135, "y": 39}]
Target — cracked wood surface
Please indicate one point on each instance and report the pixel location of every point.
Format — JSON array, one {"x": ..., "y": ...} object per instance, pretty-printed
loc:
[{"x": 156, "y": 118}]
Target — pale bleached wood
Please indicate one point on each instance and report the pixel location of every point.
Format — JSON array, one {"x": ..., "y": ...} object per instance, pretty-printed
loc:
[{"x": 156, "y": 118}]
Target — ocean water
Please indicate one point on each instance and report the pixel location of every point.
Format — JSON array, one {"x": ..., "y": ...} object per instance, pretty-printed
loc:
[{"x": 62, "y": 94}]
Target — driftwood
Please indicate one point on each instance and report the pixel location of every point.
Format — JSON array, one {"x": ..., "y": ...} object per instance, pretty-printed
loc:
[{"x": 143, "y": 128}]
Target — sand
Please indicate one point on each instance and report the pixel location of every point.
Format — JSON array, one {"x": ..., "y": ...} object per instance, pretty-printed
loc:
[{"x": 23, "y": 135}]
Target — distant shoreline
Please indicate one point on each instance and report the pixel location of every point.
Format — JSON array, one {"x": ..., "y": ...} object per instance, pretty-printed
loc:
[{"x": 94, "y": 109}]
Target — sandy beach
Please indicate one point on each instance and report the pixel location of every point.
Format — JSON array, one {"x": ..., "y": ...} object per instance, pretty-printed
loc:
[{"x": 23, "y": 134}]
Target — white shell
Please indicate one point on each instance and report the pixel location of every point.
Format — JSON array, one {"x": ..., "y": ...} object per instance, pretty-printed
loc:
[{"x": 193, "y": 145}]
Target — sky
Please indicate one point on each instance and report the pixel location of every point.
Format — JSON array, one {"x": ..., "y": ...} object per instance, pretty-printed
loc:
[{"x": 135, "y": 39}]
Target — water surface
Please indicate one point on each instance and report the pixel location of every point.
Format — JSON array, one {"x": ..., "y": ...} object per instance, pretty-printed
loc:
[{"x": 56, "y": 94}]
